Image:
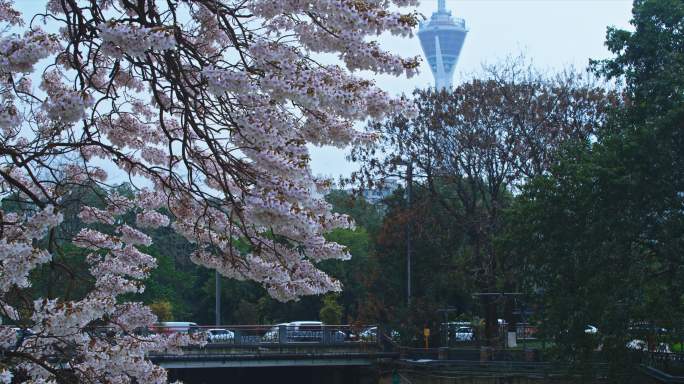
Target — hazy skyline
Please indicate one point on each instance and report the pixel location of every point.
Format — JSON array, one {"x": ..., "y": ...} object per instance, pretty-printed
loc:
[{"x": 554, "y": 34}]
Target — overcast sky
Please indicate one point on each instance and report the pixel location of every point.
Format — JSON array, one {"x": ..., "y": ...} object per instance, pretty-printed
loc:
[{"x": 554, "y": 34}]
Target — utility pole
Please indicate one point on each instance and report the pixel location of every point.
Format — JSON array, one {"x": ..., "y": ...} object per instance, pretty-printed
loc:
[
  {"x": 409, "y": 228},
  {"x": 218, "y": 298},
  {"x": 409, "y": 221}
]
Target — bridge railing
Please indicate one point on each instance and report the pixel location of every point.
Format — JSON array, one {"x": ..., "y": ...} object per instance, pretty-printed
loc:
[
  {"x": 287, "y": 334},
  {"x": 670, "y": 363}
]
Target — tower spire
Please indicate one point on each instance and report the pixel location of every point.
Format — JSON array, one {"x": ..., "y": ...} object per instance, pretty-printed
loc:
[{"x": 442, "y": 38}]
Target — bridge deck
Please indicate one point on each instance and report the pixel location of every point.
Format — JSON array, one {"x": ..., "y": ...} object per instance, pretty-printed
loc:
[{"x": 218, "y": 355}]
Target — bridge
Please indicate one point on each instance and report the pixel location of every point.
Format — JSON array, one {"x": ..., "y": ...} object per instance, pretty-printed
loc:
[
  {"x": 335, "y": 354},
  {"x": 280, "y": 346}
]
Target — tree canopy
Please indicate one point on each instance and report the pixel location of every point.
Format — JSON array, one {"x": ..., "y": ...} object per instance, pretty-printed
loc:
[{"x": 206, "y": 107}]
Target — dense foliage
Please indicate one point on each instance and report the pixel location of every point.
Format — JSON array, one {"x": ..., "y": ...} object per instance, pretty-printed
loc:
[
  {"x": 471, "y": 149},
  {"x": 602, "y": 234}
]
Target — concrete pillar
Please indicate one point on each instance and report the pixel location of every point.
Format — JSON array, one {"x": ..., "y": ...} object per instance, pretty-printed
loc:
[
  {"x": 443, "y": 353},
  {"x": 403, "y": 353},
  {"x": 485, "y": 354}
]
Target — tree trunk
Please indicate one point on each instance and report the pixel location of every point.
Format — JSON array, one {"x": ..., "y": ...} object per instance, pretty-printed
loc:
[
  {"x": 509, "y": 306},
  {"x": 491, "y": 323}
]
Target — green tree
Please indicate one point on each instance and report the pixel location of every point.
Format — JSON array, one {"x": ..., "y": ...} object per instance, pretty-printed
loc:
[
  {"x": 474, "y": 146},
  {"x": 331, "y": 312},
  {"x": 173, "y": 282},
  {"x": 162, "y": 309},
  {"x": 246, "y": 312},
  {"x": 438, "y": 279},
  {"x": 602, "y": 233},
  {"x": 365, "y": 214},
  {"x": 649, "y": 59}
]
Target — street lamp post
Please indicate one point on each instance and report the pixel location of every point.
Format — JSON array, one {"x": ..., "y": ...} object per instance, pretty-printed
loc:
[
  {"x": 218, "y": 298},
  {"x": 409, "y": 229},
  {"x": 409, "y": 223}
]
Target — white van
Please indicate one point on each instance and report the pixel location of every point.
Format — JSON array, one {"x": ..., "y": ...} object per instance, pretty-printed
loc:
[
  {"x": 303, "y": 331},
  {"x": 168, "y": 327}
]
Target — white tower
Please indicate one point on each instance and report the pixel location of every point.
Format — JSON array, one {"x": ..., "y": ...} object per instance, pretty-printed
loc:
[{"x": 442, "y": 38}]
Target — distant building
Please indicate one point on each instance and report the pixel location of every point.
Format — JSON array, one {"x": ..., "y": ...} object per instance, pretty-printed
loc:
[
  {"x": 442, "y": 38},
  {"x": 375, "y": 195}
]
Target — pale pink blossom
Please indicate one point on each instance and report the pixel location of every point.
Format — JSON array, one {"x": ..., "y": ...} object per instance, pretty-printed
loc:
[
  {"x": 121, "y": 38},
  {"x": 20, "y": 54},
  {"x": 6, "y": 377},
  {"x": 91, "y": 215},
  {"x": 9, "y": 14},
  {"x": 211, "y": 124},
  {"x": 133, "y": 237},
  {"x": 151, "y": 219}
]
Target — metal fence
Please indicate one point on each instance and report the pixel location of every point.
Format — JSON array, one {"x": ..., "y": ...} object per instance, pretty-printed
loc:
[{"x": 671, "y": 363}]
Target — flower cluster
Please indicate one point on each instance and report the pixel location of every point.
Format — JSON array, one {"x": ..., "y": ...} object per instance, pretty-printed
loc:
[
  {"x": 6, "y": 377},
  {"x": 18, "y": 255},
  {"x": 63, "y": 105},
  {"x": 9, "y": 14},
  {"x": 10, "y": 119},
  {"x": 68, "y": 107},
  {"x": 118, "y": 266},
  {"x": 221, "y": 81},
  {"x": 20, "y": 54},
  {"x": 151, "y": 219},
  {"x": 119, "y": 38},
  {"x": 351, "y": 22}
]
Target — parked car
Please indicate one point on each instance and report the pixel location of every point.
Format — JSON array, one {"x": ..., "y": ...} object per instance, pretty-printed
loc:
[
  {"x": 526, "y": 331},
  {"x": 641, "y": 345},
  {"x": 463, "y": 334},
  {"x": 218, "y": 335},
  {"x": 637, "y": 345},
  {"x": 272, "y": 334},
  {"x": 371, "y": 334}
]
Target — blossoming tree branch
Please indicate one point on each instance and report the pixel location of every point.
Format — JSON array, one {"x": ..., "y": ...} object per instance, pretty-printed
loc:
[{"x": 207, "y": 106}]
